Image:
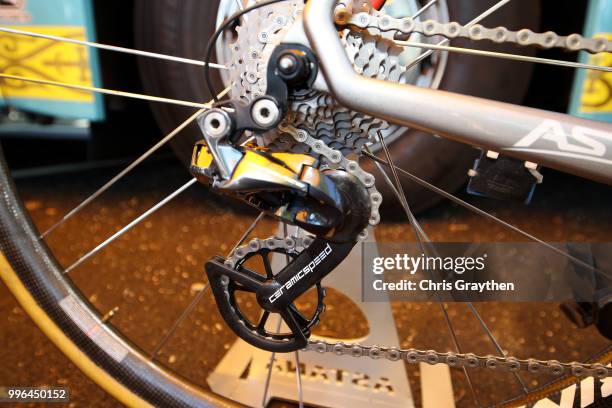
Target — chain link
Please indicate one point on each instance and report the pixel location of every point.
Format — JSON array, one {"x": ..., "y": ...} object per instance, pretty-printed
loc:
[
  {"x": 468, "y": 360},
  {"x": 338, "y": 160},
  {"x": 477, "y": 32},
  {"x": 296, "y": 244}
]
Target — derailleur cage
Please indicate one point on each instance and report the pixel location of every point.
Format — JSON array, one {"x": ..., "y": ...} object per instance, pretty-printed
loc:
[{"x": 276, "y": 294}]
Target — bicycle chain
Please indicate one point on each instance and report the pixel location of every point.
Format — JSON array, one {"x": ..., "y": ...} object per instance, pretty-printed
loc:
[
  {"x": 468, "y": 360},
  {"x": 338, "y": 160},
  {"x": 385, "y": 23},
  {"x": 477, "y": 32},
  {"x": 271, "y": 243},
  {"x": 413, "y": 356}
]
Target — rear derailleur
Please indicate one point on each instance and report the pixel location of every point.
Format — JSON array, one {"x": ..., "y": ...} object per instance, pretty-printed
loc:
[{"x": 330, "y": 203}]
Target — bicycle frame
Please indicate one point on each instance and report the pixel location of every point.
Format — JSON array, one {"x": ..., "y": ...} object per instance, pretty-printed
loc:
[{"x": 578, "y": 146}]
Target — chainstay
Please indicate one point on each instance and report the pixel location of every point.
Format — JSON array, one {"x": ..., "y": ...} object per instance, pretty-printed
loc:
[
  {"x": 476, "y": 32},
  {"x": 525, "y": 37},
  {"x": 468, "y": 360}
]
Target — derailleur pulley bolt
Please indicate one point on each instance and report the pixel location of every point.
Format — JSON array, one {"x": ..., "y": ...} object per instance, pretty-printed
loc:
[{"x": 302, "y": 136}]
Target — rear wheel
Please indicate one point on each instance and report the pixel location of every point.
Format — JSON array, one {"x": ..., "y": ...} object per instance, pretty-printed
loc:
[
  {"x": 48, "y": 295},
  {"x": 184, "y": 27}
]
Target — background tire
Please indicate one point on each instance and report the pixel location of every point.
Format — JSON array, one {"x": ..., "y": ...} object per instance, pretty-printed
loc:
[{"x": 183, "y": 27}]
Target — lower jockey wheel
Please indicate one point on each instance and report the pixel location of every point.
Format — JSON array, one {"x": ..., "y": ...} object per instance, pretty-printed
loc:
[{"x": 234, "y": 292}]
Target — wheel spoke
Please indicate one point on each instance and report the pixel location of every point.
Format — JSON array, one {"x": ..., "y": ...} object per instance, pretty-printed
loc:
[
  {"x": 515, "y": 57},
  {"x": 130, "y": 225},
  {"x": 298, "y": 378},
  {"x": 418, "y": 232},
  {"x": 194, "y": 302},
  {"x": 107, "y": 91},
  {"x": 246, "y": 234},
  {"x": 110, "y": 47},
  {"x": 416, "y": 226},
  {"x": 270, "y": 364},
  {"x": 424, "y": 9},
  {"x": 128, "y": 169},
  {"x": 483, "y": 213},
  {"x": 500, "y": 350},
  {"x": 458, "y": 349},
  {"x": 488, "y": 12}
]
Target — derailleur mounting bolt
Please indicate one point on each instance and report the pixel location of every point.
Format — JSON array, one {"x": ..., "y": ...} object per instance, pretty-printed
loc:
[
  {"x": 287, "y": 64},
  {"x": 294, "y": 67},
  {"x": 342, "y": 14}
]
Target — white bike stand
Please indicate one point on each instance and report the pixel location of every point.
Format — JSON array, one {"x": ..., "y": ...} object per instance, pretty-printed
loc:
[{"x": 328, "y": 380}]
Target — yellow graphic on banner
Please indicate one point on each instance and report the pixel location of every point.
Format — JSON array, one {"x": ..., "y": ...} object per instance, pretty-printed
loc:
[
  {"x": 597, "y": 91},
  {"x": 45, "y": 59}
]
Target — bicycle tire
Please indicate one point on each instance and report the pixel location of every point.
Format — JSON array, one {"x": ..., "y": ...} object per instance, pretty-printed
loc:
[{"x": 66, "y": 317}]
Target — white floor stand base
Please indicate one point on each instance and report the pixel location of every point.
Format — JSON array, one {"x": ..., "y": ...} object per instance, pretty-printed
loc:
[
  {"x": 329, "y": 380},
  {"x": 436, "y": 386}
]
